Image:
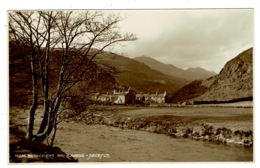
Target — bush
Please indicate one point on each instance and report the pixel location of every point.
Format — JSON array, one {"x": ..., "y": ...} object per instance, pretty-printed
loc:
[{"x": 78, "y": 104}]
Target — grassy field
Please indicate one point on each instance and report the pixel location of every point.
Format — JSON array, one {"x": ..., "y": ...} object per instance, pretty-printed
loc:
[{"x": 234, "y": 118}]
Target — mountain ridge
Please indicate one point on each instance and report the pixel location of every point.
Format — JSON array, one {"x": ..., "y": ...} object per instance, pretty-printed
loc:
[
  {"x": 137, "y": 75},
  {"x": 168, "y": 69}
]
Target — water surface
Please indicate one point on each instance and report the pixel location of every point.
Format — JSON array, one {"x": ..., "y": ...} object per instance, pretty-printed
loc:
[{"x": 99, "y": 143}]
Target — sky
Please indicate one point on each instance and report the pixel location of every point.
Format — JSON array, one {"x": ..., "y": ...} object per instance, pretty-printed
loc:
[{"x": 206, "y": 38}]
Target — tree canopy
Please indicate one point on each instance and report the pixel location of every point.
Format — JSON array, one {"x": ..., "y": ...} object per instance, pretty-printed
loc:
[{"x": 78, "y": 36}]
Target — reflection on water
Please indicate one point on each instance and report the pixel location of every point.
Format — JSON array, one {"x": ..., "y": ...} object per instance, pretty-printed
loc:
[{"x": 135, "y": 146}]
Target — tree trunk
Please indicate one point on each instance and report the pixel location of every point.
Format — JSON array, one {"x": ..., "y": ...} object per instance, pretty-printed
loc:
[
  {"x": 34, "y": 105},
  {"x": 54, "y": 133},
  {"x": 45, "y": 119},
  {"x": 45, "y": 83},
  {"x": 30, "y": 126},
  {"x": 48, "y": 127}
]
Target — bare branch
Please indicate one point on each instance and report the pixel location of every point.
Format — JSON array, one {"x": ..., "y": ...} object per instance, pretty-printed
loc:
[{"x": 61, "y": 44}]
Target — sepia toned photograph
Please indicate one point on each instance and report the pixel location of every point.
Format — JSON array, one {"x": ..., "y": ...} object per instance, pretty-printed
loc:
[{"x": 153, "y": 85}]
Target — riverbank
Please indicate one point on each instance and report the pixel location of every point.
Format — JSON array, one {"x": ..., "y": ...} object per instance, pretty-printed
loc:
[
  {"x": 22, "y": 150},
  {"x": 213, "y": 124}
]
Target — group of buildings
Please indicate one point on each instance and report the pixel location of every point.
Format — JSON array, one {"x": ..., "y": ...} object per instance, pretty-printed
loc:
[{"x": 128, "y": 97}]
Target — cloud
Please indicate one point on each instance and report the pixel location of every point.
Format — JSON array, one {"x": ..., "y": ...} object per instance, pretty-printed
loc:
[{"x": 189, "y": 38}]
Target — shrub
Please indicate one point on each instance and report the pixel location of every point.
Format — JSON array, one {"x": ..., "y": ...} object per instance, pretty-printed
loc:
[{"x": 78, "y": 104}]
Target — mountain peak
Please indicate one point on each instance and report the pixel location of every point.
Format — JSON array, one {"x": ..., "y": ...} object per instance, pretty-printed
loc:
[
  {"x": 201, "y": 71},
  {"x": 140, "y": 77},
  {"x": 171, "y": 70},
  {"x": 147, "y": 60}
]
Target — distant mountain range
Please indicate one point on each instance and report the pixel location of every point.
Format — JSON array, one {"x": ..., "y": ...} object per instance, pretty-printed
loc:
[
  {"x": 110, "y": 71},
  {"x": 168, "y": 69},
  {"x": 138, "y": 76},
  {"x": 234, "y": 82}
]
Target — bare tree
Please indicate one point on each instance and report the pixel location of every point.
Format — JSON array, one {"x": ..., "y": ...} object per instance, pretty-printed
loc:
[{"x": 63, "y": 43}]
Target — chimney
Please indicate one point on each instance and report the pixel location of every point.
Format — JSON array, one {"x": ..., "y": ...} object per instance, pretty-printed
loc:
[{"x": 165, "y": 93}]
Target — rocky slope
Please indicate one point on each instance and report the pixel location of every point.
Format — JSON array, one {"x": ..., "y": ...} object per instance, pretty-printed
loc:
[
  {"x": 234, "y": 82},
  {"x": 187, "y": 75}
]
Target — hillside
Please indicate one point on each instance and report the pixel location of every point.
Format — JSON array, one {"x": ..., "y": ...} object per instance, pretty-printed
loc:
[
  {"x": 138, "y": 76},
  {"x": 234, "y": 82},
  {"x": 107, "y": 72},
  {"x": 173, "y": 71},
  {"x": 95, "y": 79}
]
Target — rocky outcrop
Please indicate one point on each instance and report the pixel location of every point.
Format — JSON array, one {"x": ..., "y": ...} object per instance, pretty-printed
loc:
[
  {"x": 202, "y": 131},
  {"x": 234, "y": 82}
]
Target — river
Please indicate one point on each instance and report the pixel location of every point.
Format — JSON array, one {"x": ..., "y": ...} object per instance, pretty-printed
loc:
[{"x": 99, "y": 143}]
